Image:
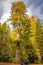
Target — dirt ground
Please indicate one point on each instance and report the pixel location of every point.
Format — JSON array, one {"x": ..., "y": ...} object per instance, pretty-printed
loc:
[{"x": 16, "y": 64}]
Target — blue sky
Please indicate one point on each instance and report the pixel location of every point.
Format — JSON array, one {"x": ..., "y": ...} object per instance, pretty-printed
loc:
[{"x": 34, "y": 7}]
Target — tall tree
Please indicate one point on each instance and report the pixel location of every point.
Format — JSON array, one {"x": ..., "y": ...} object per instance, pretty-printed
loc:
[
  {"x": 33, "y": 30},
  {"x": 40, "y": 40},
  {"x": 5, "y": 43},
  {"x": 17, "y": 12}
]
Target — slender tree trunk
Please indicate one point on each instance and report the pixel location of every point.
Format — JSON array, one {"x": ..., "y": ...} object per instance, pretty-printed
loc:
[
  {"x": 18, "y": 48},
  {"x": 18, "y": 42},
  {"x": 17, "y": 54}
]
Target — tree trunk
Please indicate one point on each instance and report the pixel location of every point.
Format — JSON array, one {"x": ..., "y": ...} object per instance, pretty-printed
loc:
[
  {"x": 18, "y": 43},
  {"x": 17, "y": 57},
  {"x": 18, "y": 46}
]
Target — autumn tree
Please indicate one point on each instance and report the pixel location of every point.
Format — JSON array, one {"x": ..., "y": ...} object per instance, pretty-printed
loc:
[
  {"x": 26, "y": 29},
  {"x": 5, "y": 43},
  {"x": 33, "y": 31},
  {"x": 40, "y": 40},
  {"x": 17, "y": 12}
]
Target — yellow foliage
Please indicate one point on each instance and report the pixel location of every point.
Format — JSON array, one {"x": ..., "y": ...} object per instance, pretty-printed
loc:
[
  {"x": 13, "y": 35},
  {"x": 33, "y": 37}
]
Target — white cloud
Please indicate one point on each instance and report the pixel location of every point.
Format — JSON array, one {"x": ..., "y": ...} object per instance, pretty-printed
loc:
[
  {"x": 6, "y": 10},
  {"x": 7, "y": 5},
  {"x": 31, "y": 10},
  {"x": 36, "y": 11},
  {"x": 5, "y": 17}
]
